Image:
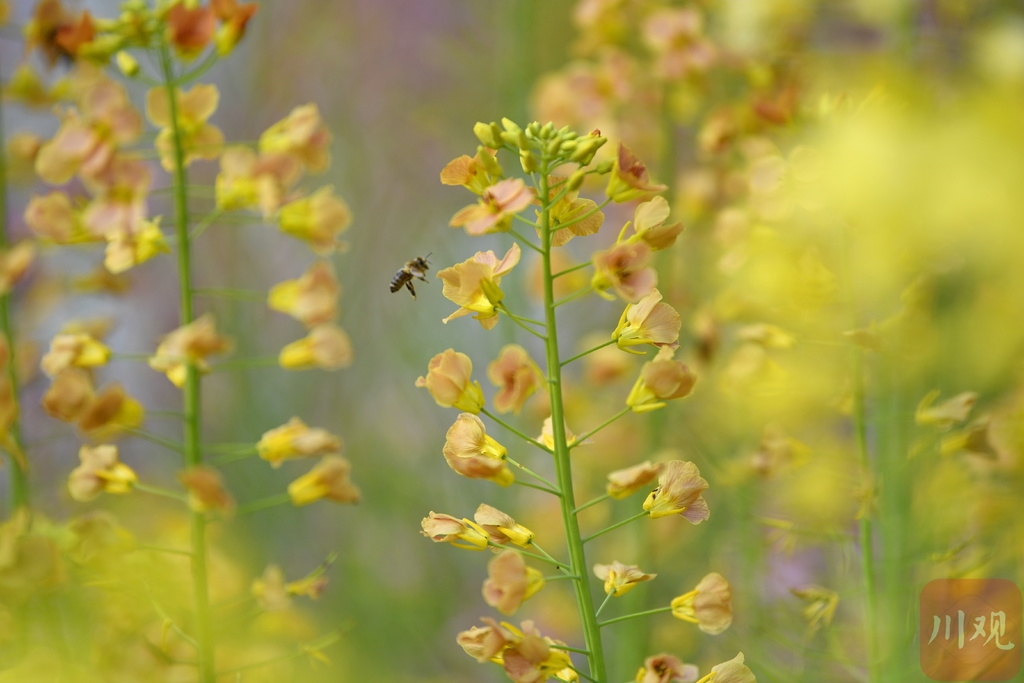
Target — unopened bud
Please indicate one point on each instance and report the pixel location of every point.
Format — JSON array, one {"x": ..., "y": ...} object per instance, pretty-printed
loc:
[
  {"x": 575, "y": 181},
  {"x": 547, "y": 131},
  {"x": 604, "y": 167},
  {"x": 489, "y": 134},
  {"x": 586, "y": 148},
  {"x": 528, "y": 160},
  {"x": 489, "y": 162},
  {"x": 553, "y": 148},
  {"x": 128, "y": 65}
]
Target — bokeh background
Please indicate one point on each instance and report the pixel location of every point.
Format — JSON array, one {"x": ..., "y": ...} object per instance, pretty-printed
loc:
[{"x": 902, "y": 221}]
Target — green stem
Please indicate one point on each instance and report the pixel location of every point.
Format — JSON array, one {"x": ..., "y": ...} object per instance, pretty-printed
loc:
[
  {"x": 538, "y": 487},
  {"x": 548, "y": 556},
  {"x": 866, "y": 531},
  {"x": 552, "y": 488},
  {"x": 542, "y": 557},
  {"x": 264, "y": 503},
  {"x": 588, "y": 351},
  {"x": 521, "y": 322},
  {"x": 521, "y": 435},
  {"x": 571, "y": 269},
  {"x": 191, "y": 450},
  {"x": 521, "y": 238},
  {"x": 595, "y": 430},
  {"x": 563, "y": 465},
  {"x": 636, "y": 615},
  {"x": 607, "y": 599},
  {"x": 157, "y": 491},
  {"x": 575, "y": 295},
  {"x": 613, "y": 527},
  {"x": 590, "y": 503},
  {"x": 154, "y": 438},
  {"x": 246, "y": 363}
]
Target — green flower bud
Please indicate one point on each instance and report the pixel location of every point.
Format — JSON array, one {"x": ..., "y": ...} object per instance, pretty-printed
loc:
[
  {"x": 586, "y": 148},
  {"x": 575, "y": 181},
  {"x": 553, "y": 148},
  {"x": 604, "y": 167},
  {"x": 489, "y": 134},
  {"x": 528, "y": 160},
  {"x": 128, "y": 65},
  {"x": 489, "y": 162}
]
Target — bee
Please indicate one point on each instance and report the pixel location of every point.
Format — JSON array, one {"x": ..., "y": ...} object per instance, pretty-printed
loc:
[{"x": 415, "y": 268}]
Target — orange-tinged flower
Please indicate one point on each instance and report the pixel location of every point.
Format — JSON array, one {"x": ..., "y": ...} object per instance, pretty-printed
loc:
[
  {"x": 127, "y": 250},
  {"x": 448, "y": 381},
  {"x": 733, "y": 671},
  {"x": 295, "y": 440},
  {"x": 461, "y": 533},
  {"x": 625, "y": 482},
  {"x": 624, "y": 268},
  {"x": 189, "y": 29},
  {"x": 517, "y": 377},
  {"x": 709, "y": 605},
  {"x": 206, "y": 491},
  {"x": 486, "y": 643},
  {"x": 69, "y": 394},
  {"x": 56, "y": 32},
  {"x": 476, "y": 174},
  {"x": 119, "y": 192},
  {"x": 247, "y": 180},
  {"x": 14, "y": 263},
  {"x": 101, "y": 470},
  {"x": 497, "y": 205},
  {"x": 311, "y": 299},
  {"x": 679, "y": 492},
  {"x": 675, "y": 36},
  {"x": 199, "y": 139},
  {"x": 649, "y": 225},
  {"x": 328, "y": 479},
  {"x": 649, "y": 321},
  {"x": 469, "y": 451},
  {"x": 302, "y": 135},
  {"x": 661, "y": 379},
  {"x": 530, "y": 657},
  {"x": 570, "y": 215},
  {"x": 189, "y": 344},
  {"x": 78, "y": 350},
  {"x": 53, "y": 218},
  {"x": 110, "y": 412},
  {"x": 665, "y": 668},
  {"x": 501, "y": 528},
  {"x": 629, "y": 179},
  {"x": 316, "y": 220},
  {"x": 620, "y": 578},
  {"x": 234, "y": 17},
  {"x": 327, "y": 347},
  {"x": 474, "y": 285},
  {"x": 509, "y": 582}
]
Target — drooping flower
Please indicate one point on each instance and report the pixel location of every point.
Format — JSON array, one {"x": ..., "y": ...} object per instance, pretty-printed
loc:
[
  {"x": 295, "y": 440},
  {"x": 625, "y": 268},
  {"x": 509, "y": 582},
  {"x": 311, "y": 299},
  {"x": 56, "y": 32},
  {"x": 206, "y": 490},
  {"x": 199, "y": 139},
  {"x": 649, "y": 225},
  {"x": 629, "y": 179},
  {"x": 497, "y": 205},
  {"x": 449, "y": 382},
  {"x": 79, "y": 350},
  {"x": 469, "y": 451},
  {"x": 68, "y": 395},
  {"x": 486, "y": 643},
  {"x": 733, "y": 671},
  {"x": 475, "y": 174},
  {"x": 303, "y": 135},
  {"x": 53, "y": 218},
  {"x": 625, "y": 482},
  {"x": 316, "y": 220},
  {"x": 529, "y": 658},
  {"x": 234, "y": 17},
  {"x": 118, "y": 206},
  {"x": 661, "y": 380},
  {"x": 461, "y": 533},
  {"x": 501, "y": 528},
  {"x": 570, "y": 215},
  {"x": 547, "y": 434},
  {"x": 679, "y": 492},
  {"x": 517, "y": 377},
  {"x": 127, "y": 250},
  {"x": 649, "y": 321},
  {"x": 474, "y": 285},
  {"x": 327, "y": 347},
  {"x": 620, "y": 578},
  {"x": 676, "y": 37},
  {"x": 110, "y": 412},
  {"x": 665, "y": 668},
  {"x": 328, "y": 479},
  {"x": 189, "y": 29},
  {"x": 101, "y": 470},
  {"x": 190, "y": 344},
  {"x": 249, "y": 181},
  {"x": 709, "y": 605}
]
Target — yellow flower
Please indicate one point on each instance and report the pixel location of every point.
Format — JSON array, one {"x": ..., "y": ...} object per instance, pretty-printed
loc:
[
  {"x": 733, "y": 671},
  {"x": 14, "y": 262},
  {"x": 448, "y": 381},
  {"x": 679, "y": 492},
  {"x": 501, "y": 528},
  {"x": 69, "y": 394},
  {"x": 469, "y": 451},
  {"x": 206, "y": 492},
  {"x": 581, "y": 215},
  {"x": 296, "y": 440},
  {"x": 649, "y": 225},
  {"x": 497, "y": 205},
  {"x": 473, "y": 285},
  {"x": 461, "y": 533},
  {"x": 189, "y": 344},
  {"x": 101, "y": 470},
  {"x": 199, "y": 139},
  {"x": 485, "y": 644},
  {"x": 625, "y": 482},
  {"x": 624, "y": 268},
  {"x": 79, "y": 350},
  {"x": 709, "y": 605},
  {"x": 328, "y": 479},
  {"x": 629, "y": 179},
  {"x": 620, "y": 578},
  {"x": 530, "y": 657},
  {"x": 302, "y": 135},
  {"x": 53, "y": 219},
  {"x": 127, "y": 250},
  {"x": 118, "y": 205},
  {"x": 649, "y": 321},
  {"x": 316, "y": 220},
  {"x": 311, "y": 299},
  {"x": 547, "y": 434},
  {"x": 110, "y": 412},
  {"x": 665, "y": 668},
  {"x": 661, "y": 379},
  {"x": 509, "y": 582},
  {"x": 326, "y": 347},
  {"x": 948, "y": 413},
  {"x": 249, "y": 181},
  {"x": 517, "y": 376},
  {"x": 475, "y": 174}
]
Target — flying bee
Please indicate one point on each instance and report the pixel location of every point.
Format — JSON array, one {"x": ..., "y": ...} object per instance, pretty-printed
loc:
[{"x": 415, "y": 268}]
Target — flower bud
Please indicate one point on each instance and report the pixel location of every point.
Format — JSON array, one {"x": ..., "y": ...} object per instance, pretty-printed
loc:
[
  {"x": 128, "y": 65},
  {"x": 528, "y": 160},
  {"x": 586, "y": 148},
  {"x": 575, "y": 181},
  {"x": 489, "y": 134}
]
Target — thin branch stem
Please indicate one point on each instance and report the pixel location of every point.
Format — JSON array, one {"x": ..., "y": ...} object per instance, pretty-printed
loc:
[
  {"x": 521, "y": 435},
  {"x": 595, "y": 430},
  {"x": 588, "y": 352},
  {"x": 575, "y": 295},
  {"x": 591, "y": 503},
  {"x": 635, "y": 615},
  {"x": 617, "y": 525},
  {"x": 273, "y": 501}
]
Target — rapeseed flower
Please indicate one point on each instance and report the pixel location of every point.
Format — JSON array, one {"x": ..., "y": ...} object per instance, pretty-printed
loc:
[
  {"x": 625, "y": 268},
  {"x": 679, "y": 492},
  {"x": 328, "y": 479},
  {"x": 110, "y": 412},
  {"x": 620, "y": 578},
  {"x": 625, "y": 482},
  {"x": 517, "y": 377},
  {"x": 469, "y": 451},
  {"x": 448, "y": 381},
  {"x": 509, "y": 582},
  {"x": 709, "y": 605},
  {"x": 311, "y": 299},
  {"x": 501, "y": 528},
  {"x": 629, "y": 179},
  {"x": 101, "y": 471},
  {"x": 665, "y": 668},
  {"x": 649, "y": 321},
  {"x": 733, "y": 671},
  {"x": 78, "y": 350},
  {"x": 190, "y": 344},
  {"x": 493, "y": 213},
  {"x": 327, "y": 347},
  {"x": 199, "y": 139},
  {"x": 461, "y": 533},
  {"x": 316, "y": 220},
  {"x": 302, "y": 135},
  {"x": 661, "y": 380},
  {"x": 295, "y": 440},
  {"x": 473, "y": 285}
]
